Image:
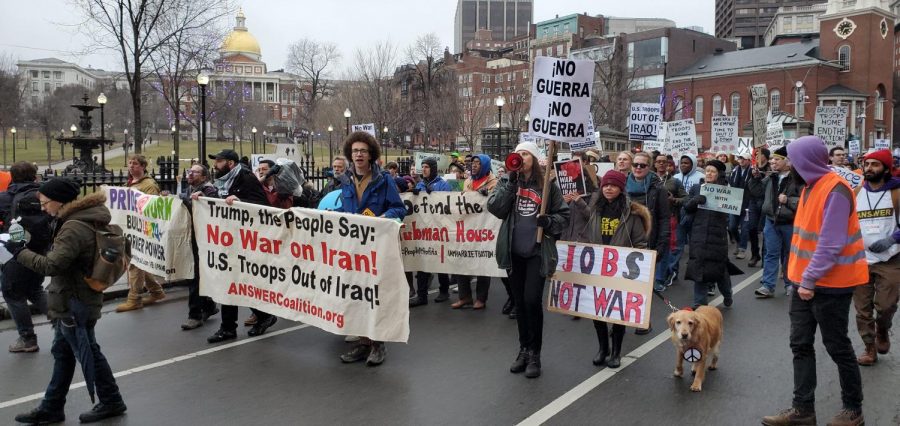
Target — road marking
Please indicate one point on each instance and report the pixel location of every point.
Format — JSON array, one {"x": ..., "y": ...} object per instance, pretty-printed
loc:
[{"x": 582, "y": 389}]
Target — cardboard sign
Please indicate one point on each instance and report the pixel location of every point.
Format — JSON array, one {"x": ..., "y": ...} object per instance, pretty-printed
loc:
[
  {"x": 681, "y": 138},
  {"x": 853, "y": 146},
  {"x": 774, "y": 134},
  {"x": 721, "y": 198},
  {"x": 664, "y": 137},
  {"x": 602, "y": 168},
  {"x": 569, "y": 177},
  {"x": 759, "y": 100},
  {"x": 745, "y": 147},
  {"x": 831, "y": 125},
  {"x": 643, "y": 122},
  {"x": 442, "y": 161},
  {"x": 724, "y": 134},
  {"x": 368, "y": 128},
  {"x": 882, "y": 144},
  {"x": 561, "y": 98},
  {"x": 607, "y": 283},
  {"x": 563, "y": 156},
  {"x": 852, "y": 178},
  {"x": 651, "y": 145},
  {"x": 590, "y": 141}
]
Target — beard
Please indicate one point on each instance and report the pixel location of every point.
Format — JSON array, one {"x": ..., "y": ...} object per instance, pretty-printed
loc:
[
  {"x": 877, "y": 177},
  {"x": 223, "y": 171}
]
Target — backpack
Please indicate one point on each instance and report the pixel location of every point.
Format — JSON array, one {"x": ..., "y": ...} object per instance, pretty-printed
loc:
[
  {"x": 111, "y": 256},
  {"x": 24, "y": 203}
]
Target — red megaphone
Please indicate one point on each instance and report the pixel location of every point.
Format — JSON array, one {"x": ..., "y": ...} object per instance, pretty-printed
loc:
[{"x": 513, "y": 162}]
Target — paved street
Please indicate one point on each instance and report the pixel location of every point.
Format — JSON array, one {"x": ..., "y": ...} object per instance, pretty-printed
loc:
[{"x": 453, "y": 371}]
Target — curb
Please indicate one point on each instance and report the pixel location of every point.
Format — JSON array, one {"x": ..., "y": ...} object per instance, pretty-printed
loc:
[{"x": 118, "y": 291}]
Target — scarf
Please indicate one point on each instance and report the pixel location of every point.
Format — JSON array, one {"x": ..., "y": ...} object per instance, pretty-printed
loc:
[
  {"x": 223, "y": 184},
  {"x": 635, "y": 188}
]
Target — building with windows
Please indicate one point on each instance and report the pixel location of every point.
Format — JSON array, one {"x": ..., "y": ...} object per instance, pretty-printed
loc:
[
  {"x": 617, "y": 25},
  {"x": 793, "y": 23},
  {"x": 558, "y": 36},
  {"x": 745, "y": 21},
  {"x": 507, "y": 19},
  {"x": 42, "y": 76}
]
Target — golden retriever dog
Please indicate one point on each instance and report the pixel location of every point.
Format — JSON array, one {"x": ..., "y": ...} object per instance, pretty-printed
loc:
[{"x": 696, "y": 329}]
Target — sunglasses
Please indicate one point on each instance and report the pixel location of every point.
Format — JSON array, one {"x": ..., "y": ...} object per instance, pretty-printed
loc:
[{"x": 640, "y": 165}]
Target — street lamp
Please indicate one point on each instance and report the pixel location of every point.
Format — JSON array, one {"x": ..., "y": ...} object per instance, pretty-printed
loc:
[
  {"x": 264, "y": 142},
  {"x": 13, "y": 131},
  {"x": 253, "y": 132},
  {"x": 499, "y": 102},
  {"x": 102, "y": 101},
  {"x": 330, "y": 146},
  {"x": 384, "y": 136},
  {"x": 202, "y": 80},
  {"x": 347, "y": 118},
  {"x": 124, "y": 145},
  {"x": 74, "y": 128}
]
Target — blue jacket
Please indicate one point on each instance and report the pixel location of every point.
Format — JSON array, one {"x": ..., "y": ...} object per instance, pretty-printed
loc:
[
  {"x": 381, "y": 197},
  {"x": 438, "y": 184}
]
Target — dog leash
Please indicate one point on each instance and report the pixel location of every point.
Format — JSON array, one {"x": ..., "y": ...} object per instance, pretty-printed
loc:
[{"x": 666, "y": 301}]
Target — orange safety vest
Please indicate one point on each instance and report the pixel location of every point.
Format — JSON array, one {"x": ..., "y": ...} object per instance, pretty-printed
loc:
[
  {"x": 5, "y": 180},
  {"x": 850, "y": 268}
]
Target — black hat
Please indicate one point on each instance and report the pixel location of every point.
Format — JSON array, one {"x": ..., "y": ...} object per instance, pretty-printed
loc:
[
  {"x": 781, "y": 151},
  {"x": 226, "y": 154},
  {"x": 60, "y": 189},
  {"x": 717, "y": 164}
]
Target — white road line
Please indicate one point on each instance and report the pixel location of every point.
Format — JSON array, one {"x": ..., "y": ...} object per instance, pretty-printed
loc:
[{"x": 574, "y": 394}]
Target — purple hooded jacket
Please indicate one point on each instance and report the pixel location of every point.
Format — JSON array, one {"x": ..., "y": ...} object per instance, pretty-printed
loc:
[{"x": 809, "y": 157}]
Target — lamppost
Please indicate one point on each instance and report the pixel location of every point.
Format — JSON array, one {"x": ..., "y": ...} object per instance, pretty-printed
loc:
[
  {"x": 499, "y": 102},
  {"x": 253, "y": 141},
  {"x": 264, "y": 142},
  {"x": 74, "y": 129},
  {"x": 347, "y": 118},
  {"x": 384, "y": 136},
  {"x": 13, "y": 131},
  {"x": 102, "y": 101},
  {"x": 330, "y": 146},
  {"x": 124, "y": 145},
  {"x": 202, "y": 80}
]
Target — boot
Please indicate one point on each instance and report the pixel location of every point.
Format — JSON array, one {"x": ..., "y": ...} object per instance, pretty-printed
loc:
[
  {"x": 533, "y": 369},
  {"x": 151, "y": 298},
  {"x": 507, "y": 307},
  {"x": 615, "y": 354},
  {"x": 422, "y": 281},
  {"x": 521, "y": 361},
  {"x": 848, "y": 418},
  {"x": 603, "y": 339},
  {"x": 882, "y": 339},
  {"x": 131, "y": 304},
  {"x": 25, "y": 344},
  {"x": 869, "y": 357},
  {"x": 791, "y": 417}
]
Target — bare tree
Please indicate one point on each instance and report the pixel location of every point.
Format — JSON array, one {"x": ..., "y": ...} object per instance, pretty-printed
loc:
[
  {"x": 374, "y": 69},
  {"x": 474, "y": 115},
  {"x": 613, "y": 84},
  {"x": 426, "y": 56},
  {"x": 313, "y": 62},
  {"x": 11, "y": 93},
  {"x": 139, "y": 29}
]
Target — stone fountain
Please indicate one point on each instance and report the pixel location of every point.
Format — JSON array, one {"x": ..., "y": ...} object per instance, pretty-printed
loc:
[{"x": 85, "y": 142}]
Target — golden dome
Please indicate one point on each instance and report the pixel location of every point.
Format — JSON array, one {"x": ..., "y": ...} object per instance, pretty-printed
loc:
[{"x": 241, "y": 41}]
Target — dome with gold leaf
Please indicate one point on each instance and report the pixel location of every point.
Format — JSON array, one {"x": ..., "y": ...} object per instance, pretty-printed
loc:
[{"x": 240, "y": 41}]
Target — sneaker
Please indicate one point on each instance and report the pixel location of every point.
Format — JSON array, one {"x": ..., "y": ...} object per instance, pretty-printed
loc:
[
  {"x": 442, "y": 297},
  {"x": 206, "y": 315},
  {"x": 351, "y": 339},
  {"x": 521, "y": 361},
  {"x": 659, "y": 288},
  {"x": 673, "y": 277},
  {"x": 221, "y": 336},
  {"x": 764, "y": 293},
  {"x": 191, "y": 324},
  {"x": 152, "y": 298},
  {"x": 847, "y": 418},
  {"x": 24, "y": 345},
  {"x": 260, "y": 327},
  {"x": 711, "y": 291},
  {"x": 40, "y": 417},
  {"x": 358, "y": 353},
  {"x": 791, "y": 417},
  {"x": 376, "y": 356},
  {"x": 102, "y": 411},
  {"x": 742, "y": 254}
]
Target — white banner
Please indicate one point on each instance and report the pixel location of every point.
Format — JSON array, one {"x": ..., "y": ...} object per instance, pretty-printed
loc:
[
  {"x": 721, "y": 198},
  {"x": 368, "y": 128},
  {"x": 831, "y": 125},
  {"x": 339, "y": 272},
  {"x": 608, "y": 283},
  {"x": 724, "y": 134},
  {"x": 681, "y": 138},
  {"x": 561, "y": 98},
  {"x": 159, "y": 229},
  {"x": 643, "y": 122},
  {"x": 450, "y": 233},
  {"x": 774, "y": 134},
  {"x": 759, "y": 101},
  {"x": 852, "y": 178}
]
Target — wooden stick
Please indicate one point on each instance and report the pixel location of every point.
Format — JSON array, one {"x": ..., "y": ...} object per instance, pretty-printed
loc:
[{"x": 551, "y": 155}]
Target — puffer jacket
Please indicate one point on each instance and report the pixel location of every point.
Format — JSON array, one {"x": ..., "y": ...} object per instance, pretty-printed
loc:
[
  {"x": 71, "y": 256},
  {"x": 634, "y": 225},
  {"x": 381, "y": 197},
  {"x": 708, "y": 260},
  {"x": 501, "y": 204}
]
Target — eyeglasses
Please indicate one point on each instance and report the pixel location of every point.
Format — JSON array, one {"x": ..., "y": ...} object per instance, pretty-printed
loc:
[
  {"x": 359, "y": 151},
  {"x": 44, "y": 203},
  {"x": 640, "y": 165}
]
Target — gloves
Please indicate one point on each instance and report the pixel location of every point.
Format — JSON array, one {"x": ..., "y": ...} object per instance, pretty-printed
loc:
[
  {"x": 882, "y": 245},
  {"x": 702, "y": 199},
  {"x": 14, "y": 247},
  {"x": 514, "y": 177},
  {"x": 543, "y": 220},
  {"x": 484, "y": 191},
  {"x": 416, "y": 191},
  {"x": 427, "y": 189}
]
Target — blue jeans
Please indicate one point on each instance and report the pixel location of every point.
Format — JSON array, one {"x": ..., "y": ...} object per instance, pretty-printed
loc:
[
  {"x": 662, "y": 268},
  {"x": 778, "y": 244},
  {"x": 64, "y": 363},
  {"x": 682, "y": 235}
]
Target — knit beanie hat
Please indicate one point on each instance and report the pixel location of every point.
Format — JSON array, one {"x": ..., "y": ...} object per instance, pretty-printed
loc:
[
  {"x": 883, "y": 155},
  {"x": 614, "y": 177},
  {"x": 60, "y": 189},
  {"x": 717, "y": 164},
  {"x": 532, "y": 149}
]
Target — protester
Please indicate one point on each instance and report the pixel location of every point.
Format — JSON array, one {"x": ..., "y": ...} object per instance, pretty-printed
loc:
[
  {"x": 338, "y": 166},
  {"x": 483, "y": 182},
  {"x": 738, "y": 224},
  {"x": 826, "y": 263},
  {"x": 459, "y": 170},
  {"x": 708, "y": 263},
  {"x": 21, "y": 285},
  {"x": 468, "y": 162},
  {"x": 236, "y": 183},
  {"x": 755, "y": 219},
  {"x": 723, "y": 157},
  {"x": 393, "y": 168},
  {"x": 690, "y": 177},
  {"x": 72, "y": 306},
  {"x": 876, "y": 301},
  {"x": 517, "y": 200},
  {"x": 591, "y": 156},
  {"x": 623, "y": 162},
  {"x": 200, "y": 308},
  {"x": 431, "y": 182},
  {"x": 267, "y": 180},
  {"x": 139, "y": 279},
  {"x": 675, "y": 196},
  {"x": 837, "y": 157},
  {"x": 645, "y": 188},
  {"x": 780, "y": 191},
  {"x": 368, "y": 190}
]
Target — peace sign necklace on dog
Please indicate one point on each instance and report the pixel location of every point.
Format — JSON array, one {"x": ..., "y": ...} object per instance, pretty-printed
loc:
[{"x": 692, "y": 355}]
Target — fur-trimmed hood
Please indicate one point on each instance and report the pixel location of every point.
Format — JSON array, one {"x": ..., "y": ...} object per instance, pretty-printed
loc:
[
  {"x": 644, "y": 214},
  {"x": 90, "y": 208}
]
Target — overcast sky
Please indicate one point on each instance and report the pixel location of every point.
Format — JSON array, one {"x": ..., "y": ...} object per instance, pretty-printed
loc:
[{"x": 32, "y": 29}]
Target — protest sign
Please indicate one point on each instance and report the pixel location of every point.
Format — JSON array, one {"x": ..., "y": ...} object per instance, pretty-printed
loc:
[
  {"x": 442, "y": 161},
  {"x": 569, "y": 177},
  {"x": 774, "y": 134},
  {"x": 745, "y": 147},
  {"x": 496, "y": 165},
  {"x": 724, "y": 134},
  {"x": 852, "y": 178},
  {"x": 650, "y": 146},
  {"x": 450, "y": 232},
  {"x": 339, "y": 272},
  {"x": 561, "y": 98},
  {"x": 455, "y": 184},
  {"x": 681, "y": 138},
  {"x": 602, "y": 168},
  {"x": 882, "y": 144},
  {"x": 590, "y": 141},
  {"x": 721, "y": 198},
  {"x": 368, "y": 128},
  {"x": 853, "y": 146},
  {"x": 159, "y": 229},
  {"x": 607, "y": 283},
  {"x": 563, "y": 156},
  {"x": 643, "y": 122},
  {"x": 664, "y": 137},
  {"x": 759, "y": 100},
  {"x": 831, "y": 125}
]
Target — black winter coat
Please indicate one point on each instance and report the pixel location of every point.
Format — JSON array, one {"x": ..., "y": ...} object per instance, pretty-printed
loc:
[{"x": 708, "y": 260}]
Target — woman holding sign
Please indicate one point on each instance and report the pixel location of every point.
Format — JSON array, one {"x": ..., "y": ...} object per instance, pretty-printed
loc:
[
  {"x": 483, "y": 182},
  {"x": 517, "y": 200}
]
